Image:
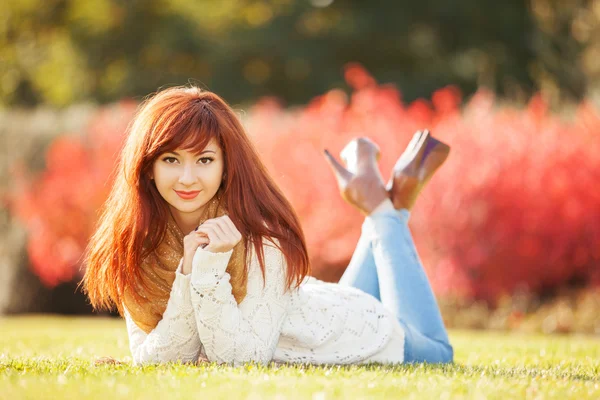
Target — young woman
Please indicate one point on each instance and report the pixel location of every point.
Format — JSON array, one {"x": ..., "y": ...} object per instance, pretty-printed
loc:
[{"x": 206, "y": 260}]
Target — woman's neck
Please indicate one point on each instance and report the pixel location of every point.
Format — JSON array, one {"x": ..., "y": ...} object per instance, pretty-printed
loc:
[{"x": 187, "y": 222}]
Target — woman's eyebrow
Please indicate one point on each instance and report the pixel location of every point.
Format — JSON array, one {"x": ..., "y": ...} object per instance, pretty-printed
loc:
[{"x": 205, "y": 151}]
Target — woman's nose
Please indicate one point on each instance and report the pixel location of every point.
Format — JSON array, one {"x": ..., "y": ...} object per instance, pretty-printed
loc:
[{"x": 187, "y": 176}]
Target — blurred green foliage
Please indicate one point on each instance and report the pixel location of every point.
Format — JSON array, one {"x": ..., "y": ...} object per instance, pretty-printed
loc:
[{"x": 63, "y": 51}]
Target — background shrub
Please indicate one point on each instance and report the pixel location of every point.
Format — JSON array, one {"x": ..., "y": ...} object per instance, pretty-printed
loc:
[{"x": 514, "y": 207}]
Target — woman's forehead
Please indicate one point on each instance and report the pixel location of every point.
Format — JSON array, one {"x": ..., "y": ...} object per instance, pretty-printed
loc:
[{"x": 212, "y": 146}]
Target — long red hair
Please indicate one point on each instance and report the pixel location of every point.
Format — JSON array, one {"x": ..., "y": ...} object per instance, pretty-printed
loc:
[{"x": 134, "y": 217}]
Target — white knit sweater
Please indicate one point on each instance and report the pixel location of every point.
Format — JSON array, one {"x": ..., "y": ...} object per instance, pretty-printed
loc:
[{"x": 318, "y": 323}]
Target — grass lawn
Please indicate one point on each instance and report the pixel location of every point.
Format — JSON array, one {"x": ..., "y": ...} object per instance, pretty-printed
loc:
[{"x": 52, "y": 357}]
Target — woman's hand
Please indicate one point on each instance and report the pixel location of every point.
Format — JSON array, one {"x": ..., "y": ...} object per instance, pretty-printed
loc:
[
  {"x": 217, "y": 235},
  {"x": 191, "y": 242},
  {"x": 221, "y": 233}
]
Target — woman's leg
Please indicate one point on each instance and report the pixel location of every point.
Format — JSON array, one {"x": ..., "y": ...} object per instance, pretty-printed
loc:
[
  {"x": 404, "y": 287},
  {"x": 403, "y": 284},
  {"x": 361, "y": 273}
]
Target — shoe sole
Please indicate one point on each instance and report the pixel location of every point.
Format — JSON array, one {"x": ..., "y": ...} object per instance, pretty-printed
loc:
[{"x": 421, "y": 146}]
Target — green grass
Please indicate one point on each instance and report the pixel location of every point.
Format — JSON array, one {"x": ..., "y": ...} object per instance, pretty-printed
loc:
[{"x": 52, "y": 357}]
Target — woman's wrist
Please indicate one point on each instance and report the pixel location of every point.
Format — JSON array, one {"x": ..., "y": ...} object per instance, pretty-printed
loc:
[{"x": 186, "y": 267}]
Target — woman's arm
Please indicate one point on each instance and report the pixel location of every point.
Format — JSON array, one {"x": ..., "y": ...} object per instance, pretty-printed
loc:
[
  {"x": 175, "y": 337},
  {"x": 248, "y": 332}
]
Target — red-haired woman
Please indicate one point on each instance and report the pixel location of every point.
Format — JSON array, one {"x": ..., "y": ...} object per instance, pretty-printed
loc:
[{"x": 206, "y": 260}]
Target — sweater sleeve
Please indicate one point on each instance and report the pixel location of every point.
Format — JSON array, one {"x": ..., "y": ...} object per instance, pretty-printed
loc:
[
  {"x": 175, "y": 337},
  {"x": 232, "y": 333}
]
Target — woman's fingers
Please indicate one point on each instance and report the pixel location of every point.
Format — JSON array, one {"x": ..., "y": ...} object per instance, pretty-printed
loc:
[
  {"x": 202, "y": 239},
  {"x": 210, "y": 232},
  {"x": 226, "y": 224},
  {"x": 216, "y": 237},
  {"x": 222, "y": 233},
  {"x": 192, "y": 241},
  {"x": 225, "y": 228},
  {"x": 229, "y": 223},
  {"x": 219, "y": 227}
]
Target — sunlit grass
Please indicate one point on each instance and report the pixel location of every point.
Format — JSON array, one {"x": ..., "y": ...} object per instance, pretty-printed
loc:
[{"x": 53, "y": 357}]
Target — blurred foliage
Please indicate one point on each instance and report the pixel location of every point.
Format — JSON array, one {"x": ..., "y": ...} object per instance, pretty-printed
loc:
[
  {"x": 63, "y": 51},
  {"x": 511, "y": 209},
  {"x": 568, "y": 310}
]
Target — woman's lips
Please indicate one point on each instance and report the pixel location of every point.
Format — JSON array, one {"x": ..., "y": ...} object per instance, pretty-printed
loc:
[{"x": 187, "y": 195}]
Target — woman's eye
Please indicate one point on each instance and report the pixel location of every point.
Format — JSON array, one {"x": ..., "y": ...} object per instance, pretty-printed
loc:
[
  {"x": 169, "y": 160},
  {"x": 206, "y": 160}
]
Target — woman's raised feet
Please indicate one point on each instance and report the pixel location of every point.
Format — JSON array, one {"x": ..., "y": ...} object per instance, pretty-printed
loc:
[
  {"x": 415, "y": 167},
  {"x": 360, "y": 182}
]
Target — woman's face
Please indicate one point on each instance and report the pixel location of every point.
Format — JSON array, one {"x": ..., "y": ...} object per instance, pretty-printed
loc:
[{"x": 188, "y": 181}]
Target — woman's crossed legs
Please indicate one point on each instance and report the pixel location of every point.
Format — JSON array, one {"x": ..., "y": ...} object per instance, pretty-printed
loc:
[{"x": 385, "y": 265}]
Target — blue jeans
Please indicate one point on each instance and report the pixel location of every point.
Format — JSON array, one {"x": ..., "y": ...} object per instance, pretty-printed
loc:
[{"x": 385, "y": 265}]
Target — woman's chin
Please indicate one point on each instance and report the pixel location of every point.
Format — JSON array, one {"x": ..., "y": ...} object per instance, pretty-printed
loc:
[{"x": 188, "y": 207}]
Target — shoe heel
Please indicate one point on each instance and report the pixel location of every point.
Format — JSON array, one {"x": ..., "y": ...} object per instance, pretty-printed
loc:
[{"x": 434, "y": 145}]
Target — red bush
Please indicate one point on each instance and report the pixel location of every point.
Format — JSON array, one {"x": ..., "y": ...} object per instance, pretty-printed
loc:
[
  {"x": 521, "y": 209},
  {"x": 515, "y": 205},
  {"x": 60, "y": 206}
]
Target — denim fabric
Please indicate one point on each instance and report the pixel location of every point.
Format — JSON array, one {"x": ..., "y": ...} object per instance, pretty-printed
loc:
[{"x": 385, "y": 264}]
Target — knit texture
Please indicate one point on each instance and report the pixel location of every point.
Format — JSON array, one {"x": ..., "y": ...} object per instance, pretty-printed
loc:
[{"x": 317, "y": 323}]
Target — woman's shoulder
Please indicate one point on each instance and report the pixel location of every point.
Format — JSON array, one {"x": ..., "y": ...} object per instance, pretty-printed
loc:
[{"x": 273, "y": 257}]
